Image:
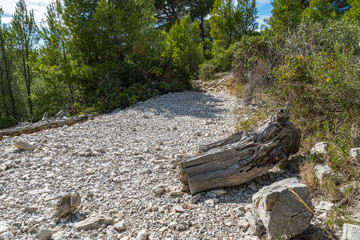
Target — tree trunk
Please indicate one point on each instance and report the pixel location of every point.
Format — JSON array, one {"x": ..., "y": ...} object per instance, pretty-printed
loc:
[
  {"x": 242, "y": 156},
  {"x": 45, "y": 124}
]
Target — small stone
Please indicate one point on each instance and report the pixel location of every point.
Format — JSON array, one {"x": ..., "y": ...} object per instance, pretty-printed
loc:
[
  {"x": 94, "y": 222},
  {"x": 210, "y": 202},
  {"x": 60, "y": 235},
  {"x": 32, "y": 229},
  {"x": 322, "y": 171},
  {"x": 173, "y": 225},
  {"x": 67, "y": 204},
  {"x": 30, "y": 209},
  {"x": 89, "y": 171},
  {"x": 44, "y": 234},
  {"x": 175, "y": 193},
  {"x": 218, "y": 192},
  {"x": 211, "y": 195},
  {"x": 142, "y": 235},
  {"x": 3, "y": 227},
  {"x": 355, "y": 152},
  {"x": 178, "y": 209},
  {"x": 158, "y": 190},
  {"x": 119, "y": 215},
  {"x": 120, "y": 226},
  {"x": 100, "y": 150},
  {"x": 195, "y": 198},
  {"x": 228, "y": 222},
  {"x": 24, "y": 146},
  {"x": 319, "y": 148},
  {"x": 252, "y": 186},
  {"x": 64, "y": 219}
]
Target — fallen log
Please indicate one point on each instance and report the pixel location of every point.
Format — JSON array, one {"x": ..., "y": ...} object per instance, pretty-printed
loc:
[
  {"x": 242, "y": 156},
  {"x": 45, "y": 124}
]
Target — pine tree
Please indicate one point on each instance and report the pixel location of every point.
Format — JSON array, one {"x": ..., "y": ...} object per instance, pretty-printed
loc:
[
  {"x": 185, "y": 45},
  {"x": 26, "y": 38},
  {"x": 286, "y": 15}
]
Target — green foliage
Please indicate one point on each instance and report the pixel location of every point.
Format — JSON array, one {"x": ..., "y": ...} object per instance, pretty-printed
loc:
[
  {"x": 354, "y": 12},
  {"x": 286, "y": 15},
  {"x": 25, "y": 37},
  {"x": 229, "y": 22},
  {"x": 207, "y": 70},
  {"x": 249, "y": 52},
  {"x": 319, "y": 10},
  {"x": 185, "y": 46}
]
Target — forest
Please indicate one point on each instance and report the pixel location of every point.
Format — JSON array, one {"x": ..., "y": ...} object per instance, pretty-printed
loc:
[{"x": 99, "y": 55}]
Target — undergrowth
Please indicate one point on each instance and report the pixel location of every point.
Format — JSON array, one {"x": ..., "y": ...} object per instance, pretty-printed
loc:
[{"x": 322, "y": 87}]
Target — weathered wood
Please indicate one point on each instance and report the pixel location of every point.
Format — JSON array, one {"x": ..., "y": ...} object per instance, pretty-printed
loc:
[
  {"x": 242, "y": 156},
  {"x": 44, "y": 124}
]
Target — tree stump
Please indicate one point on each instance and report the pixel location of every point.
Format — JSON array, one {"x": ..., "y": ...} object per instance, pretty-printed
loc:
[{"x": 242, "y": 156}]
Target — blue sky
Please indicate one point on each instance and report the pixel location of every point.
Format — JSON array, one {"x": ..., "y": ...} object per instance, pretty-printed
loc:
[
  {"x": 264, "y": 10},
  {"x": 39, "y": 6}
]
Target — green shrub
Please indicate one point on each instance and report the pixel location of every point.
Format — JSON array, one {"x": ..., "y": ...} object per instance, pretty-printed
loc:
[{"x": 207, "y": 70}]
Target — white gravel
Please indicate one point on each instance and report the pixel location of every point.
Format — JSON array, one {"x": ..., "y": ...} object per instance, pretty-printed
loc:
[{"x": 124, "y": 164}]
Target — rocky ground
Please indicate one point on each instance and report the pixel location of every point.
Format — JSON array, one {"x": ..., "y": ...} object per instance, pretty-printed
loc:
[{"x": 123, "y": 165}]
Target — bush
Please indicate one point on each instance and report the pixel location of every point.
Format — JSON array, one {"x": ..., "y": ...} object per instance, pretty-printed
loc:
[
  {"x": 252, "y": 65},
  {"x": 207, "y": 70},
  {"x": 223, "y": 57}
]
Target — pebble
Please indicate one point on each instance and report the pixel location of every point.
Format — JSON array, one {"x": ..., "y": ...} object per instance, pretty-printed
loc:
[
  {"x": 195, "y": 198},
  {"x": 142, "y": 235},
  {"x": 119, "y": 226}
]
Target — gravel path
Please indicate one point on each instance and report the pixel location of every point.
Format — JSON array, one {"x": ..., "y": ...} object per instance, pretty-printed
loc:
[
  {"x": 124, "y": 166},
  {"x": 118, "y": 162}
]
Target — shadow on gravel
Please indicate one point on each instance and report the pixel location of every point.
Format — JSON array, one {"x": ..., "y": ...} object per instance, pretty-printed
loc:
[{"x": 192, "y": 104}]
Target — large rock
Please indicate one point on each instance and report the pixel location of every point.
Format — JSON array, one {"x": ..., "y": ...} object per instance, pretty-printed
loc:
[
  {"x": 67, "y": 204},
  {"x": 281, "y": 211},
  {"x": 94, "y": 222},
  {"x": 350, "y": 232}
]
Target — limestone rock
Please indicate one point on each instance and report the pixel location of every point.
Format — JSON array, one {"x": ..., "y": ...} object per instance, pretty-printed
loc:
[
  {"x": 195, "y": 198},
  {"x": 94, "y": 222},
  {"x": 24, "y": 146},
  {"x": 142, "y": 235},
  {"x": 218, "y": 192},
  {"x": 119, "y": 226},
  {"x": 281, "y": 211},
  {"x": 319, "y": 148},
  {"x": 44, "y": 234},
  {"x": 322, "y": 171},
  {"x": 3, "y": 227},
  {"x": 355, "y": 152},
  {"x": 350, "y": 232},
  {"x": 60, "y": 235},
  {"x": 67, "y": 204}
]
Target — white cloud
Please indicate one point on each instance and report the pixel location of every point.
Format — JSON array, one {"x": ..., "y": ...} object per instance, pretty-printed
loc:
[
  {"x": 261, "y": 21},
  {"x": 260, "y": 3},
  {"x": 39, "y": 7}
]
